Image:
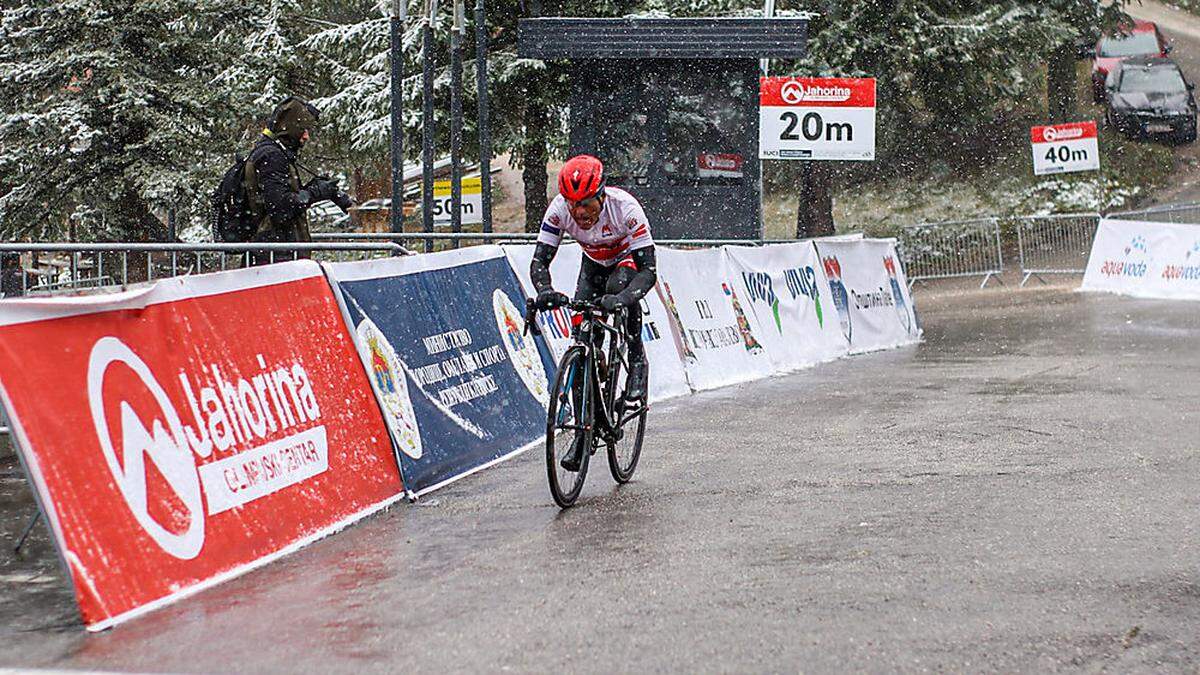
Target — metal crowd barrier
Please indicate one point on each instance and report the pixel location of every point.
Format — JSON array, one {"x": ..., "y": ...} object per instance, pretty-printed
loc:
[
  {"x": 951, "y": 249},
  {"x": 1183, "y": 214},
  {"x": 514, "y": 237},
  {"x": 1056, "y": 244},
  {"x": 76, "y": 266}
]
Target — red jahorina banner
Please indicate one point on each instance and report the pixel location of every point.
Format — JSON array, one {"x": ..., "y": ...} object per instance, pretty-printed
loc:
[
  {"x": 180, "y": 434},
  {"x": 1060, "y": 133},
  {"x": 819, "y": 92}
]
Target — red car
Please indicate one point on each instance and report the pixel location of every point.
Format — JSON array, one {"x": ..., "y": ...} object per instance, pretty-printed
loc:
[{"x": 1141, "y": 39}]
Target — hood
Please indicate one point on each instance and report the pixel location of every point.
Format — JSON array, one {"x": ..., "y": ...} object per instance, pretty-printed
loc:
[
  {"x": 1104, "y": 64},
  {"x": 1152, "y": 102},
  {"x": 291, "y": 119}
]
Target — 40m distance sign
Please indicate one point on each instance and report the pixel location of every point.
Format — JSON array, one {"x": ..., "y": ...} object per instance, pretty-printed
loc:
[
  {"x": 1065, "y": 148},
  {"x": 816, "y": 118}
]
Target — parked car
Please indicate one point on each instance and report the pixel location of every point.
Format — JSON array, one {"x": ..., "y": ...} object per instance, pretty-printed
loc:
[
  {"x": 1142, "y": 38},
  {"x": 1149, "y": 96}
]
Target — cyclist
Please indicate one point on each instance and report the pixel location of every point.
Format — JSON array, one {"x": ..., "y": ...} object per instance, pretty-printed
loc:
[{"x": 618, "y": 264}]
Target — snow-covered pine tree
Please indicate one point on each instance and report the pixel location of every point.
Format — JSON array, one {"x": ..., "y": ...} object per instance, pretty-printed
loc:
[
  {"x": 105, "y": 109},
  {"x": 528, "y": 97}
]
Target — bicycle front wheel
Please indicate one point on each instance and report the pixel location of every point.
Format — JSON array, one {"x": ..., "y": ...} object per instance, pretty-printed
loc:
[{"x": 569, "y": 427}]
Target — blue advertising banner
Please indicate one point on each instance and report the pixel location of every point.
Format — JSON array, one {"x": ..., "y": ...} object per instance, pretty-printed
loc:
[{"x": 442, "y": 338}]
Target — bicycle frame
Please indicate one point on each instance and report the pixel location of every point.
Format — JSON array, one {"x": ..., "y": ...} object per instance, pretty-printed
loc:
[{"x": 585, "y": 336}]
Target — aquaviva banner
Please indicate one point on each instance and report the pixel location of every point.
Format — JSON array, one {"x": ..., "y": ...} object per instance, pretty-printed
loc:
[
  {"x": 443, "y": 337},
  {"x": 660, "y": 336},
  {"x": 186, "y": 432},
  {"x": 870, "y": 293},
  {"x": 1143, "y": 259},
  {"x": 720, "y": 338},
  {"x": 784, "y": 287}
]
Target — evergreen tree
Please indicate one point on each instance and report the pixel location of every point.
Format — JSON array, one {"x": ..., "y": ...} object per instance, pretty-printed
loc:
[
  {"x": 106, "y": 110},
  {"x": 1085, "y": 21}
]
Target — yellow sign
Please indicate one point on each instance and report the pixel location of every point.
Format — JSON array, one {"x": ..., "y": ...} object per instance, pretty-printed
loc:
[
  {"x": 472, "y": 201},
  {"x": 470, "y": 186}
]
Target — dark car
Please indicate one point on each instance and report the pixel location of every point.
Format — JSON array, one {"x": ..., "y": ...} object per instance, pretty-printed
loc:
[
  {"x": 1140, "y": 38},
  {"x": 1148, "y": 96}
]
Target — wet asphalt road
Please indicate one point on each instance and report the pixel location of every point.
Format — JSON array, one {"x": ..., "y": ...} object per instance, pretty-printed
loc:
[{"x": 1017, "y": 493}]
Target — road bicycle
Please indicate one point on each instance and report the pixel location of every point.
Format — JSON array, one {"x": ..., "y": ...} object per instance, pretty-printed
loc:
[{"x": 588, "y": 403}]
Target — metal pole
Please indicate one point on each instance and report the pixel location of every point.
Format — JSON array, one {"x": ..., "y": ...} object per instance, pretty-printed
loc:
[
  {"x": 456, "y": 121},
  {"x": 768, "y": 12},
  {"x": 399, "y": 12},
  {"x": 28, "y": 529},
  {"x": 427, "y": 123},
  {"x": 485, "y": 131}
]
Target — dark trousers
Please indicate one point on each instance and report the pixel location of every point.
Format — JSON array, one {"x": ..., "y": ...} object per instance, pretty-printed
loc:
[{"x": 596, "y": 280}]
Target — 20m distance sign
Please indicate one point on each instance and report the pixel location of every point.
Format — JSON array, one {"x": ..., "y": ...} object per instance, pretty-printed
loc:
[
  {"x": 830, "y": 118},
  {"x": 1065, "y": 148}
]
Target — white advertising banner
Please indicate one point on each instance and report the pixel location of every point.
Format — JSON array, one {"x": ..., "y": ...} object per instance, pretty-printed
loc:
[
  {"x": 667, "y": 378},
  {"x": 785, "y": 289},
  {"x": 816, "y": 118},
  {"x": 870, "y": 293},
  {"x": 719, "y": 334},
  {"x": 1147, "y": 260}
]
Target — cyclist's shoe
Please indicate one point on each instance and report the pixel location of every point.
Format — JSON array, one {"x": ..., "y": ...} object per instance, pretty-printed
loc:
[
  {"x": 574, "y": 456},
  {"x": 635, "y": 385}
]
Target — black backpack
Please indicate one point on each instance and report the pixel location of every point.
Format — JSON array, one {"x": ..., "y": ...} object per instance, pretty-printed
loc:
[{"x": 232, "y": 220}]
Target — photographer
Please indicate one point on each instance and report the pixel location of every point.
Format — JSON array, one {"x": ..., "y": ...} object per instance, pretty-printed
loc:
[{"x": 279, "y": 201}]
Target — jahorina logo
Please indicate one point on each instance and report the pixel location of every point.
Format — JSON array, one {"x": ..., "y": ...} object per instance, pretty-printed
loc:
[
  {"x": 1189, "y": 270},
  {"x": 522, "y": 350},
  {"x": 794, "y": 92},
  {"x": 841, "y": 299},
  {"x": 889, "y": 264},
  {"x": 219, "y": 454},
  {"x": 391, "y": 387},
  {"x": 1134, "y": 263},
  {"x": 1053, "y": 134}
]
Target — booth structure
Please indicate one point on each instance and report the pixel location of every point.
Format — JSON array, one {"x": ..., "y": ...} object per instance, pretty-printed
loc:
[{"x": 671, "y": 107}]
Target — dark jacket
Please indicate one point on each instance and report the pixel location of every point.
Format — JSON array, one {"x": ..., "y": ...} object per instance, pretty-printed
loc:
[{"x": 273, "y": 187}]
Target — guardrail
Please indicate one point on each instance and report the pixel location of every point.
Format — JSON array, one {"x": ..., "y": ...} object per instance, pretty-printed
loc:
[
  {"x": 515, "y": 237},
  {"x": 1055, "y": 244},
  {"x": 953, "y": 249},
  {"x": 1051, "y": 244},
  {"x": 1184, "y": 214},
  {"x": 74, "y": 266}
]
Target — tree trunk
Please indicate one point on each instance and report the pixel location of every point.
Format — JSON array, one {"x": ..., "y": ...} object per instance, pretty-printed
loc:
[
  {"x": 1060, "y": 84},
  {"x": 533, "y": 159},
  {"x": 136, "y": 223},
  {"x": 814, "y": 212}
]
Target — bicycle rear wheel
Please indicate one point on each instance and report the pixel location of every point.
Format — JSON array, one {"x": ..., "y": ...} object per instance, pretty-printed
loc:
[
  {"x": 623, "y": 454},
  {"x": 569, "y": 421}
]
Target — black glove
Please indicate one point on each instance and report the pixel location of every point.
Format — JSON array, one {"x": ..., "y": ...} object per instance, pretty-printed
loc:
[
  {"x": 320, "y": 189},
  {"x": 343, "y": 201},
  {"x": 610, "y": 302},
  {"x": 550, "y": 298}
]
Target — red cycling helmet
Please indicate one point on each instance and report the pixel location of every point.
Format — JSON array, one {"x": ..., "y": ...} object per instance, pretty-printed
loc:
[{"x": 582, "y": 177}]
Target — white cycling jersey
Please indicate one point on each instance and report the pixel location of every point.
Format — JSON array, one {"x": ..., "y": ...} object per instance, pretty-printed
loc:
[{"x": 621, "y": 228}]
